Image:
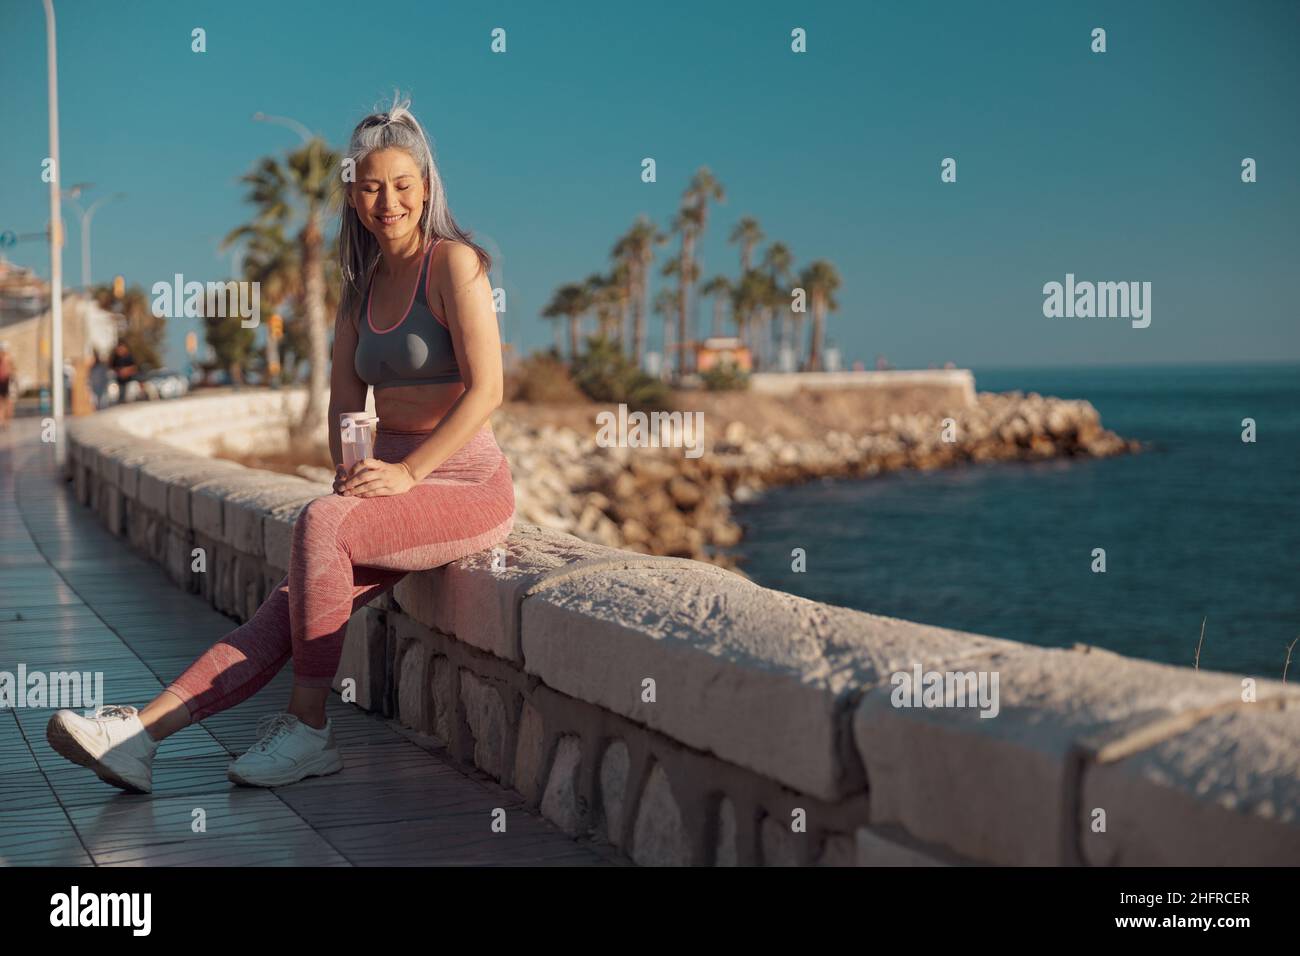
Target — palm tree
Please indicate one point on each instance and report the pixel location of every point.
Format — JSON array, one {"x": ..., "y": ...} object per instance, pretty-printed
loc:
[
  {"x": 820, "y": 280},
  {"x": 720, "y": 288},
  {"x": 691, "y": 272},
  {"x": 687, "y": 225},
  {"x": 777, "y": 261},
  {"x": 232, "y": 344},
  {"x": 748, "y": 299},
  {"x": 607, "y": 295},
  {"x": 273, "y": 261},
  {"x": 570, "y": 301},
  {"x": 294, "y": 193},
  {"x": 749, "y": 235},
  {"x": 691, "y": 221},
  {"x": 637, "y": 249},
  {"x": 665, "y": 305}
]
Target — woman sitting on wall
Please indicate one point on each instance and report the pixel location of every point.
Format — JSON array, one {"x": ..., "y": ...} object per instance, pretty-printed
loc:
[{"x": 436, "y": 488}]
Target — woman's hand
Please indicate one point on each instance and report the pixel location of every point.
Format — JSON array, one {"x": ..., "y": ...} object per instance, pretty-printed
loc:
[{"x": 372, "y": 478}]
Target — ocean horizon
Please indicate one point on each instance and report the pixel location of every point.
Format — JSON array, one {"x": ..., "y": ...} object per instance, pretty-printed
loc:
[{"x": 1200, "y": 524}]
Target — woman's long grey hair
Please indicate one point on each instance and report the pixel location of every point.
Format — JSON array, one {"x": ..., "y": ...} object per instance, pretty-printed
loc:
[{"x": 358, "y": 248}]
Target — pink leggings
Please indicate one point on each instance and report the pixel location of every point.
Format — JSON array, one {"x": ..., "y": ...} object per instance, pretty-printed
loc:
[{"x": 347, "y": 551}]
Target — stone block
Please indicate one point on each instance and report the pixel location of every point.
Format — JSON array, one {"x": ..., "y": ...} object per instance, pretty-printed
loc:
[
  {"x": 180, "y": 486},
  {"x": 727, "y": 850},
  {"x": 659, "y": 836},
  {"x": 530, "y": 753},
  {"x": 479, "y": 602},
  {"x": 615, "y": 766},
  {"x": 245, "y": 510},
  {"x": 211, "y": 498},
  {"x": 412, "y": 678},
  {"x": 279, "y": 520},
  {"x": 363, "y": 655},
  {"x": 560, "y": 799},
  {"x": 779, "y": 844},
  {"x": 158, "y": 476},
  {"x": 178, "y": 559},
  {"x": 760, "y": 678},
  {"x": 1224, "y": 793},
  {"x": 999, "y": 789},
  {"x": 445, "y": 701},
  {"x": 485, "y": 713}
]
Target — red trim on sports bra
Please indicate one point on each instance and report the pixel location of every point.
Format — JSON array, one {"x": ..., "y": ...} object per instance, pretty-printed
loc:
[
  {"x": 427, "y": 302},
  {"x": 414, "y": 289}
]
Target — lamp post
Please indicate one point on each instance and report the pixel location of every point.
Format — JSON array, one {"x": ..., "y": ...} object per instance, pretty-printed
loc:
[
  {"x": 56, "y": 240},
  {"x": 86, "y": 217}
]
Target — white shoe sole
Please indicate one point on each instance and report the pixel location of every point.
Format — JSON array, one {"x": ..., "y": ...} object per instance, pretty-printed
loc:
[
  {"x": 319, "y": 765},
  {"x": 129, "y": 774}
]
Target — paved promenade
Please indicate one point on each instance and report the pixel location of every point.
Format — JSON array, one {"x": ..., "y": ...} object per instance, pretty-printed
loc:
[{"x": 73, "y": 597}]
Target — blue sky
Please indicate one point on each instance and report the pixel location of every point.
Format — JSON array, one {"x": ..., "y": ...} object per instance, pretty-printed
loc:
[{"x": 1116, "y": 166}]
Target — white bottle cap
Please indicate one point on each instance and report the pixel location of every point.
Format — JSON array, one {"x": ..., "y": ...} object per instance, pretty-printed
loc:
[{"x": 357, "y": 418}]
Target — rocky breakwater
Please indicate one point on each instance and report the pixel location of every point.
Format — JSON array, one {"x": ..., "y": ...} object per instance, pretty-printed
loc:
[{"x": 658, "y": 501}]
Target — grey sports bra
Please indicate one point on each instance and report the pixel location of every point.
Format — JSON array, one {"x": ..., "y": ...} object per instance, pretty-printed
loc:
[{"x": 415, "y": 351}]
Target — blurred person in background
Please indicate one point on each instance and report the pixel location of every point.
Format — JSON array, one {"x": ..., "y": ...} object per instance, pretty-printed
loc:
[
  {"x": 99, "y": 380},
  {"x": 124, "y": 368},
  {"x": 8, "y": 387}
]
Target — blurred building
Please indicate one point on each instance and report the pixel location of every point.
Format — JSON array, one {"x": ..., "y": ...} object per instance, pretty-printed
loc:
[
  {"x": 26, "y": 323},
  {"x": 717, "y": 351}
]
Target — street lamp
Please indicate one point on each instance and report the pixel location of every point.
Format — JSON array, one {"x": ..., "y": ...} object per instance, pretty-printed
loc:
[
  {"x": 293, "y": 124},
  {"x": 56, "y": 239},
  {"x": 86, "y": 217}
]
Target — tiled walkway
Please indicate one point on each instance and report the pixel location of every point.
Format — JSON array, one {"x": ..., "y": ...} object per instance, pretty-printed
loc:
[{"x": 73, "y": 597}]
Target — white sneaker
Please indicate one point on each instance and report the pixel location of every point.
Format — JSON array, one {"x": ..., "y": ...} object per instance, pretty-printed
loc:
[
  {"x": 287, "y": 752},
  {"x": 113, "y": 743}
]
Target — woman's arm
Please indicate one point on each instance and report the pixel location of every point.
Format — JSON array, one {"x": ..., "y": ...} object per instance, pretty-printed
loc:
[
  {"x": 472, "y": 321},
  {"x": 347, "y": 390}
]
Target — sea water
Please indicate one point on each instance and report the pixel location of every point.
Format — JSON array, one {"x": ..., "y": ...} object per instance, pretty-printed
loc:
[{"x": 1200, "y": 525}]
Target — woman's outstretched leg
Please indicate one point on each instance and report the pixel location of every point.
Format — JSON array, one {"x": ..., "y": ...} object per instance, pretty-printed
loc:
[{"x": 119, "y": 742}]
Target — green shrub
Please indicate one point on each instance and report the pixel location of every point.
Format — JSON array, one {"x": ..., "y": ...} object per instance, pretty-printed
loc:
[
  {"x": 725, "y": 377},
  {"x": 605, "y": 374},
  {"x": 543, "y": 379}
]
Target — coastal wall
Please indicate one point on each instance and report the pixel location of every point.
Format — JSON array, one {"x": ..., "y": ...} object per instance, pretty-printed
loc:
[
  {"x": 952, "y": 388},
  {"x": 689, "y": 716}
]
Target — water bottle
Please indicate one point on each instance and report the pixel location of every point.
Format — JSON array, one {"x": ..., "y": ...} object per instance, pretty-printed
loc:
[{"x": 357, "y": 433}]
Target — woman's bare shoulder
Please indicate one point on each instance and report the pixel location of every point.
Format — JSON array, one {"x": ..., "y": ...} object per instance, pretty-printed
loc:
[
  {"x": 453, "y": 267},
  {"x": 454, "y": 256}
]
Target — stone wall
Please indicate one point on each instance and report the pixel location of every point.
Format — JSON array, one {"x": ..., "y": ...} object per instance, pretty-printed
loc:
[
  {"x": 948, "y": 389},
  {"x": 689, "y": 716}
]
